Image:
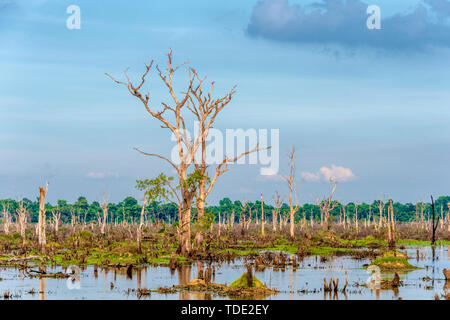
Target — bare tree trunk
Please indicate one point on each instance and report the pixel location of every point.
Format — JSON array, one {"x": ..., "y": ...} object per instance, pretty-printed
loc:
[
  {"x": 41, "y": 233},
  {"x": 232, "y": 219},
  {"x": 141, "y": 225},
  {"x": 262, "y": 216},
  {"x": 434, "y": 224},
  {"x": 278, "y": 203},
  {"x": 291, "y": 180},
  {"x": 22, "y": 220},
  {"x": 56, "y": 218},
  {"x": 219, "y": 224},
  {"x": 380, "y": 208},
  {"x": 105, "y": 216},
  {"x": 327, "y": 206},
  {"x": 201, "y": 196},
  {"x": 393, "y": 221},
  {"x": 6, "y": 218},
  {"x": 390, "y": 241},
  {"x": 185, "y": 228},
  {"x": 345, "y": 217}
]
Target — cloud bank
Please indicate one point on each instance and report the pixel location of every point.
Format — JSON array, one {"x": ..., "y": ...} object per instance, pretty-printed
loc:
[
  {"x": 336, "y": 173},
  {"x": 343, "y": 22}
]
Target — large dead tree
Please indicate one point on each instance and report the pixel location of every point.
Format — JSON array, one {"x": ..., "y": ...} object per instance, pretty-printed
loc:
[
  {"x": 293, "y": 195},
  {"x": 173, "y": 116},
  {"x": 41, "y": 222}
]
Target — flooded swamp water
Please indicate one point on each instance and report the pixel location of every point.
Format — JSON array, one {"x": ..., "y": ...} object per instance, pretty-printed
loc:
[{"x": 306, "y": 282}]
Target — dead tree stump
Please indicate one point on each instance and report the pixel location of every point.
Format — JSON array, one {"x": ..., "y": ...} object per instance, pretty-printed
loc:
[{"x": 249, "y": 276}]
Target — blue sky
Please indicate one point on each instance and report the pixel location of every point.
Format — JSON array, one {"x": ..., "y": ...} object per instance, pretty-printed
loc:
[{"x": 378, "y": 106}]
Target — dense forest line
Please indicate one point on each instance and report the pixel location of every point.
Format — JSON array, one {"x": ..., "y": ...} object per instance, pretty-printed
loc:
[{"x": 129, "y": 210}]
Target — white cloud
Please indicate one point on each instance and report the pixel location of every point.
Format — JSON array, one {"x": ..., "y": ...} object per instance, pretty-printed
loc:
[
  {"x": 102, "y": 175},
  {"x": 309, "y": 176},
  {"x": 336, "y": 173}
]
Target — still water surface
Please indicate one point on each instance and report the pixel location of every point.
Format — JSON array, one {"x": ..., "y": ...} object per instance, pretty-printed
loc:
[{"x": 304, "y": 283}]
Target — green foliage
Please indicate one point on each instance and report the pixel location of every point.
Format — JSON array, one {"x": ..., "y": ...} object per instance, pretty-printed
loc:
[
  {"x": 193, "y": 180},
  {"x": 157, "y": 189},
  {"x": 206, "y": 220},
  {"x": 162, "y": 207}
]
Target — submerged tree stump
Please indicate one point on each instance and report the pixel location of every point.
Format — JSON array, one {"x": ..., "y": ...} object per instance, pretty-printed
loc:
[
  {"x": 396, "y": 280},
  {"x": 208, "y": 276},
  {"x": 446, "y": 274},
  {"x": 249, "y": 276}
]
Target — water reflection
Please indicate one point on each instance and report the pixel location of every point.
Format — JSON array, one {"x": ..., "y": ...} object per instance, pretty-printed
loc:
[
  {"x": 303, "y": 282},
  {"x": 42, "y": 284}
]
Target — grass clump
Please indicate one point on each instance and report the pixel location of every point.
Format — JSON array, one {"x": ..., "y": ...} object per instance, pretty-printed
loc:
[
  {"x": 393, "y": 263},
  {"x": 242, "y": 282}
]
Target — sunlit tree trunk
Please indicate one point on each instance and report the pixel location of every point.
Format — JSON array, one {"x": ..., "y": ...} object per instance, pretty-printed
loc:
[
  {"x": 141, "y": 225},
  {"x": 219, "y": 224},
  {"x": 22, "y": 221},
  {"x": 185, "y": 227},
  {"x": 6, "y": 218},
  {"x": 56, "y": 219},
  {"x": 293, "y": 196},
  {"x": 262, "y": 216},
  {"x": 41, "y": 232},
  {"x": 104, "y": 218}
]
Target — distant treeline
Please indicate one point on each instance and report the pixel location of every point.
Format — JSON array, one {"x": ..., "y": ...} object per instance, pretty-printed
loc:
[{"x": 129, "y": 209}]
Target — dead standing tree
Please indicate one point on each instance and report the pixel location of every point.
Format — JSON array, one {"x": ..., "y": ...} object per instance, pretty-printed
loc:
[
  {"x": 391, "y": 226},
  {"x": 186, "y": 147},
  {"x": 41, "y": 223},
  {"x": 326, "y": 206},
  {"x": 56, "y": 216},
  {"x": 22, "y": 222},
  {"x": 102, "y": 220},
  {"x": 141, "y": 225},
  {"x": 6, "y": 217},
  {"x": 293, "y": 195},
  {"x": 278, "y": 202},
  {"x": 245, "y": 220},
  {"x": 380, "y": 206},
  {"x": 262, "y": 216},
  {"x": 434, "y": 224}
]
